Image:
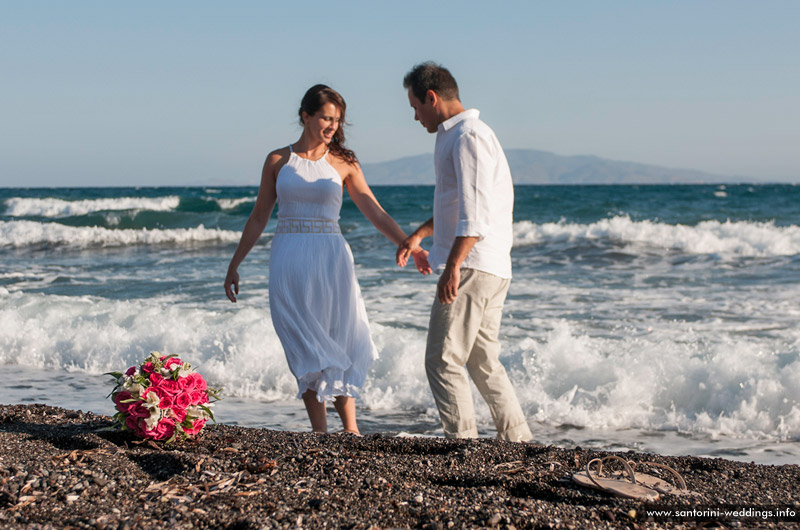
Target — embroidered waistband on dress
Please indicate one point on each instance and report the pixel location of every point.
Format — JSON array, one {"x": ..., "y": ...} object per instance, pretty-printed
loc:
[{"x": 307, "y": 226}]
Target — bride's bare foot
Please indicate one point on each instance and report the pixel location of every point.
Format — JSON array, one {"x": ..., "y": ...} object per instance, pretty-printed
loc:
[{"x": 351, "y": 433}]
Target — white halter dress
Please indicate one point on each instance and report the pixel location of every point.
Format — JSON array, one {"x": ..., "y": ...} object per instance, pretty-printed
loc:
[{"x": 314, "y": 297}]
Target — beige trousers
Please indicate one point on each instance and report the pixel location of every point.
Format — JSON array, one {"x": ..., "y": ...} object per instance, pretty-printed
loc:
[{"x": 465, "y": 333}]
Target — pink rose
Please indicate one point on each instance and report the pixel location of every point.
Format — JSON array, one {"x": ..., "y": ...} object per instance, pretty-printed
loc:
[
  {"x": 199, "y": 382},
  {"x": 169, "y": 386},
  {"x": 152, "y": 390},
  {"x": 167, "y": 402},
  {"x": 147, "y": 367},
  {"x": 171, "y": 362},
  {"x": 199, "y": 398},
  {"x": 165, "y": 399},
  {"x": 179, "y": 413},
  {"x": 156, "y": 378},
  {"x": 134, "y": 424},
  {"x": 197, "y": 425},
  {"x": 123, "y": 396},
  {"x": 183, "y": 400},
  {"x": 186, "y": 383},
  {"x": 131, "y": 371},
  {"x": 165, "y": 429},
  {"x": 138, "y": 411}
]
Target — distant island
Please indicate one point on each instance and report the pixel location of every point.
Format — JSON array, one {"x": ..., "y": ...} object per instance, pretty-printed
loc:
[{"x": 529, "y": 166}]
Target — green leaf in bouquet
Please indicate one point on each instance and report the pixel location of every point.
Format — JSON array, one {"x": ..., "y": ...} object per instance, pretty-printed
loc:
[
  {"x": 106, "y": 429},
  {"x": 155, "y": 358},
  {"x": 120, "y": 418},
  {"x": 210, "y": 414}
]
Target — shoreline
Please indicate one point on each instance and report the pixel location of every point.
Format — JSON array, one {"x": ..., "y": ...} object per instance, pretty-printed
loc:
[
  {"x": 61, "y": 468},
  {"x": 289, "y": 414}
]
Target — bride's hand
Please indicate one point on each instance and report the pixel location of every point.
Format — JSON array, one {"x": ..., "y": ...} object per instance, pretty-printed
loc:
[
  {"x": 409, "y": 247},
  {"x": 232, "y": 285}
]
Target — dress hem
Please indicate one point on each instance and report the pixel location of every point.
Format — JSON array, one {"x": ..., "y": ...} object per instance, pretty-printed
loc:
[{"x": 325, "y": 387}]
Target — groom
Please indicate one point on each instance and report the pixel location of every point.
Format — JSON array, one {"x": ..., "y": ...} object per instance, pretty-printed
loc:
[{"x": 472, "y": 236}]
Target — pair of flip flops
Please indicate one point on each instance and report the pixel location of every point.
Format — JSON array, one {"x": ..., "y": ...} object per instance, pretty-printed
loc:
[{"x": 627, "y": 483}]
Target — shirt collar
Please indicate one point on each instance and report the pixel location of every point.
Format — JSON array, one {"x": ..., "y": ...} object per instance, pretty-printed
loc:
[{"x": 461, "y": 116}]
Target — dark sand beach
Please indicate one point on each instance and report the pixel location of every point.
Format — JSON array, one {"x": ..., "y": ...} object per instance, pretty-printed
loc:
[{"x": 65, "y": 469}]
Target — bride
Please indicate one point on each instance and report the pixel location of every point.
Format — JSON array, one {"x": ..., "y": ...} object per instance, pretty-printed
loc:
[{"x": 314, "y": 297}]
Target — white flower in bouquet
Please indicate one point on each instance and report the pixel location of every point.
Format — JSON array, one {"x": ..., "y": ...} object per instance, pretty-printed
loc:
[
  {"x": 185, "y": 370},
  {"x": 152, "y": 420},
  {"x": 199, "y": 412},
  {"x": 135, "y": 390},
  {"x": 152, "y": 401}
]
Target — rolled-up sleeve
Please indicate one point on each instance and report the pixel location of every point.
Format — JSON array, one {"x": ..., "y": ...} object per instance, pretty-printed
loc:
[{"x": 474, "y": 165}]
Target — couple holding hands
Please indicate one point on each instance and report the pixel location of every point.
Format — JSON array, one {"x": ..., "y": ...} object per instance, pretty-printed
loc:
[{"x": 314, "y": 297}]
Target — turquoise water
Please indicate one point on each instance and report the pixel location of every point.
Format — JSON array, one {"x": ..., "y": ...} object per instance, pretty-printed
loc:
[{"x": 652, "y": 317}]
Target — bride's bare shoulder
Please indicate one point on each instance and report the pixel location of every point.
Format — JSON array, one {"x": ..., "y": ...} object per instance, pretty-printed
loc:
[{"x": 277, "y": 159}]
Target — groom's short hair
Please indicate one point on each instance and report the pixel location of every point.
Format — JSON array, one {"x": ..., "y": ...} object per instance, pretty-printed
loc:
[{"x": 431, "y": 76}]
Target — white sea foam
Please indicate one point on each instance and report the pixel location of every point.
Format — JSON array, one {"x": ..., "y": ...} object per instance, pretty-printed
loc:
[
  {"x": 667, "y": 380},
  {"x": 743, "y": 239},
  {"x": 229, "y": 204},
  {"x": 752, "y": 239},
  {"x": 238, "y": 350},
  {"x": 52, "y": 207},
  {"x": 31, "y": 233},
  {"x": 672, "y": 378}
]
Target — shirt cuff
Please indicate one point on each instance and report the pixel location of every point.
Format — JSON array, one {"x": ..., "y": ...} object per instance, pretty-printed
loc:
[{"x": 471, "y": 229}]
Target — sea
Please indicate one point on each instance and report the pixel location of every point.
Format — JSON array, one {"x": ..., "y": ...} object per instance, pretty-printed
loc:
[{"x": 647, "y": 318}]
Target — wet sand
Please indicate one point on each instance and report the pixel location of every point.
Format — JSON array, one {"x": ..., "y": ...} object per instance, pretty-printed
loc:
[{"x": 61, "y": 468}]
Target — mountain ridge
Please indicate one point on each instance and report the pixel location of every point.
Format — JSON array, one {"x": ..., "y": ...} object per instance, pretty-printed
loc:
[{"x": 531, "y": 166}]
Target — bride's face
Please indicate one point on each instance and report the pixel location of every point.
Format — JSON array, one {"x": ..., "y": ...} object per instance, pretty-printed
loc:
[{"x": 323, "y": 124}]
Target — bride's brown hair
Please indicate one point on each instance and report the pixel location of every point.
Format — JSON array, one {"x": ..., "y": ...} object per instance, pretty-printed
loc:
[{"x": 315, "y": 98}]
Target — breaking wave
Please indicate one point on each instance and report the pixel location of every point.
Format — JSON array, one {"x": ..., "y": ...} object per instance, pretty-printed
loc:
[
  {"x": 741, "y": 238},
  {"x": 20, "y": 234}
]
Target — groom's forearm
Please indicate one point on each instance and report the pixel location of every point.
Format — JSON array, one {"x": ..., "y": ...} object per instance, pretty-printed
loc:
[
  {"x": 460, "y": 250},
  {"x": 425, "y": 230}
]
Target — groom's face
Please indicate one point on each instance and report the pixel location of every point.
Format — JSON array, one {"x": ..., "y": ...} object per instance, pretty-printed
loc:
[{"x": 424, "y": 112}]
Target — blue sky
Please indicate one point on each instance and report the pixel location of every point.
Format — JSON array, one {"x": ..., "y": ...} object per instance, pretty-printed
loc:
[{"x": 192, "y": 93}]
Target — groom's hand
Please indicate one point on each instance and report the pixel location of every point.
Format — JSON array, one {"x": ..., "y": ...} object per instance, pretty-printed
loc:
[{"x": 447, "y": 289}]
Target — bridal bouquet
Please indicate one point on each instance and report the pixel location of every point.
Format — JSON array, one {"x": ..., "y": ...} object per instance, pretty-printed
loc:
[{"x": 162, "y": 398}]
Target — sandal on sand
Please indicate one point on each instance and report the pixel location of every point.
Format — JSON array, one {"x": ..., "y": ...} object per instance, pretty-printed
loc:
[
  {"x": 615, "y": 483},
  {"x": 661, "y": 485}
]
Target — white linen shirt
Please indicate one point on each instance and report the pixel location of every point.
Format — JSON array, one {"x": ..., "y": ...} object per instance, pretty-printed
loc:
[{"x": 474, "y": 195}]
